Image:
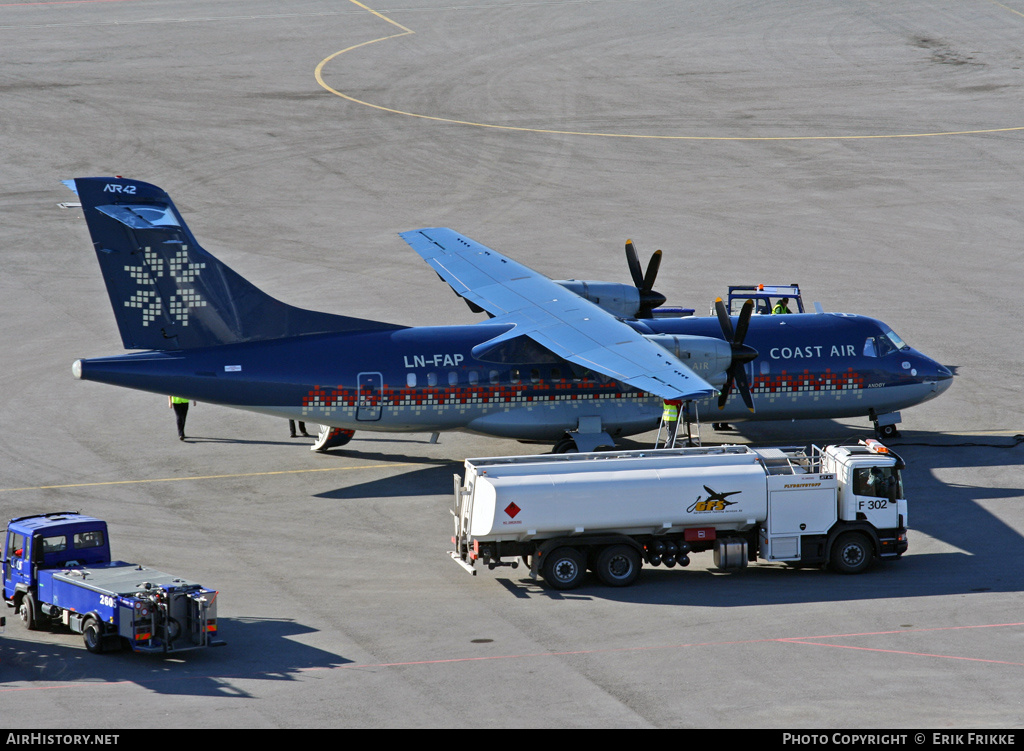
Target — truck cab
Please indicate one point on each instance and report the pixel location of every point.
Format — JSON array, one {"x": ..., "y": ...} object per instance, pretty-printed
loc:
[
  {"x": 765, "y": 297},
  {"x": 49, "y": 541},
  {"x": 871, "y": 490}
]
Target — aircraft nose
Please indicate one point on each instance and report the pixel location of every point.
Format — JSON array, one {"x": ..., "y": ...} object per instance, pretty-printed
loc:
[
  {"x": 944, "y": 376},
  {"x": 930, "y": 371}
]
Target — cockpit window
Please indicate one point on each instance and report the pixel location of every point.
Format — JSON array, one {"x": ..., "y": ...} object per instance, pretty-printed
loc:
[
  {"x": 884, "y": 344},
  {"x": 896, "y": 341}
]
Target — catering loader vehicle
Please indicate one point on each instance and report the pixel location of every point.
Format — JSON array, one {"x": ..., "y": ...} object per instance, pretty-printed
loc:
[
  {"x": 57, "y": 571},
  {"x": 611, "y": 512}
]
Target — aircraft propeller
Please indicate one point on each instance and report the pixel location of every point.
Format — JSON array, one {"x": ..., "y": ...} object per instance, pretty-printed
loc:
[
  {"x": 649, "y": 299},
  {"x": 741, "y": 353}
]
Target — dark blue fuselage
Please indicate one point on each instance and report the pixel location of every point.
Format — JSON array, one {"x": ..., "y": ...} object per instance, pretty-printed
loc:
[{"x": 427, "y": 379}]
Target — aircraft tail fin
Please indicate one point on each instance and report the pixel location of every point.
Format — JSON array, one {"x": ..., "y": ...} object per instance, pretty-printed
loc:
[{"x": 168, "y": 293}]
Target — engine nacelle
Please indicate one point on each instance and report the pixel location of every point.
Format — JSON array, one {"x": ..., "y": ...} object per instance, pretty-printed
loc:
[
  {"x": 621, "y": 300},
  {"x": 706, "y": 356}
]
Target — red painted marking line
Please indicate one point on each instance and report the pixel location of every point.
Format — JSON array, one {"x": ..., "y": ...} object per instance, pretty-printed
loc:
[
  {"x": 901, "y": 652},
  {"x": 806, "y": 640}
]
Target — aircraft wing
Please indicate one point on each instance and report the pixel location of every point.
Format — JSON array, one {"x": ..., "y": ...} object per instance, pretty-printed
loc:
[{"x": 570, "y": 326}]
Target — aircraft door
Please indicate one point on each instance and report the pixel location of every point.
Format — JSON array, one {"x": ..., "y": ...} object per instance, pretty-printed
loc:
[
  {"x": 369, "y": 398},
  {"x": 16, "y": 569}
]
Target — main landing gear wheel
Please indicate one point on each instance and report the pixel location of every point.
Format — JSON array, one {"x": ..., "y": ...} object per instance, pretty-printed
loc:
[
  {"x": 564, "y": 568},
  {"x": 565, "y": 446}
]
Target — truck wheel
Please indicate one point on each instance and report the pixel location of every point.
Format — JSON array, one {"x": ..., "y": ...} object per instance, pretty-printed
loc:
[
  {"x": 93, "y": 636},
  {"x": 28, "y": 612},
  {"x": 564, "y": 568},
  {"x": 172, "y": 631},
  {"x": 851, "y": 553},
  {"x": 618, "y": 565}
]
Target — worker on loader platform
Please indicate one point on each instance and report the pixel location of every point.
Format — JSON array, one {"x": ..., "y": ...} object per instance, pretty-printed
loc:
[
  {"x": 782, "y": 306},
  {"x": 670, "y": 417}
]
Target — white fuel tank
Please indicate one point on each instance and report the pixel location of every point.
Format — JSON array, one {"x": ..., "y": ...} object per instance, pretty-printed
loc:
[{"x": 519, "y": 504}]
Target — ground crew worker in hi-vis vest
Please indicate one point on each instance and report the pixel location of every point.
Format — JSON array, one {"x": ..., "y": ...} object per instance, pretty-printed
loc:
[
  {"x": 782, "y": 306},
  {"x": 670, "y": 417},
  {"x": 180, "y": 407}
]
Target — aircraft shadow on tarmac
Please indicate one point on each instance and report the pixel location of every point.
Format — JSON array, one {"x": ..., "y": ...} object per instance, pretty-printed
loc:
[
  {"x": 263, "y": 650},
  {"x": 435, "y": 480},
  {"x": 241, "y": 441},
  {"x": 296, "y": 442},
  {"x": 946, "y": 512}
]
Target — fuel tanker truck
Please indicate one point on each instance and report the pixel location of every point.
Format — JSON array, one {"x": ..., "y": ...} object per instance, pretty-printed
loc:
[{"x": 612, "y": 512}]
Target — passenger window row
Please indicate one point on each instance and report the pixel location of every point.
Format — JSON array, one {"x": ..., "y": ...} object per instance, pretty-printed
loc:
[{"x": 494, "y": 377}]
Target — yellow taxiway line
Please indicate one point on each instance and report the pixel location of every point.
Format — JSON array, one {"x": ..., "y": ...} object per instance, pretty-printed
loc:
[
  {"x": 318, "y": 73},
  {"x": 212, "y": 477}
]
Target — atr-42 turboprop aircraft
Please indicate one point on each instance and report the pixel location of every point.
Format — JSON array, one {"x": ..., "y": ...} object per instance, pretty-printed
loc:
[{"x": 572, "y": 362}]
